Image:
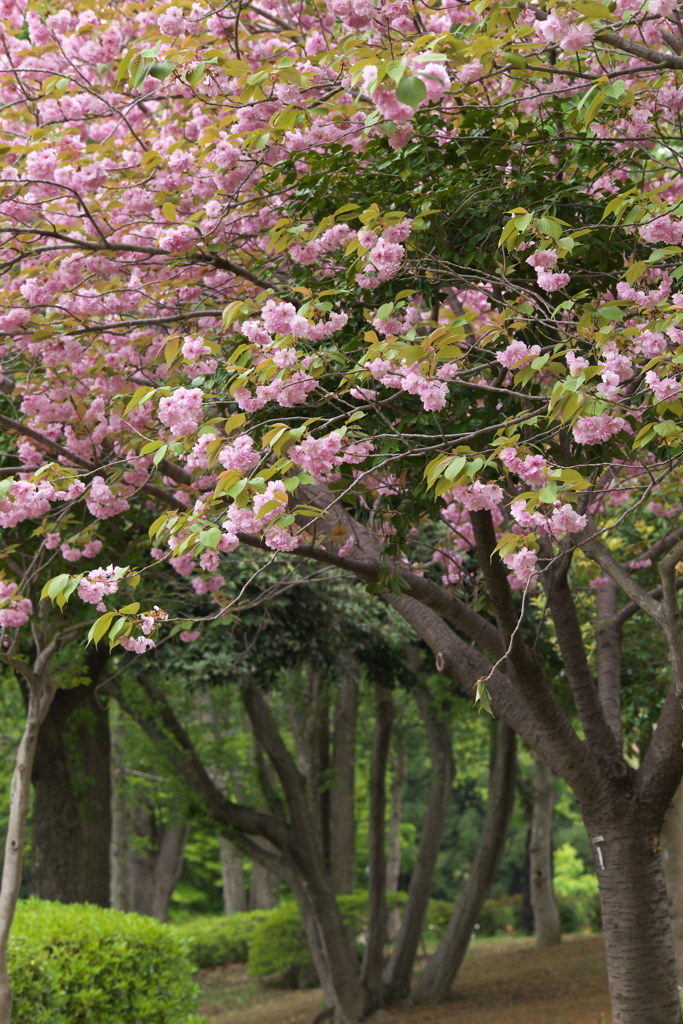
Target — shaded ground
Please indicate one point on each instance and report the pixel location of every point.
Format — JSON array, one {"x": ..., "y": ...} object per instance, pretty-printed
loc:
[{"x": 503, "y": 981}]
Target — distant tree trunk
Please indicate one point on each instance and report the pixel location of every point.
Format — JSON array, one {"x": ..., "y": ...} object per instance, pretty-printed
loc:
[
  {"x": 72, "y": 801},
  {"x": 373, "y": 958},
  {"x": 398, "y": 972},
  {"x": 264, "y": 888},
  {"x": 435, "y": 982},
  {"x": 232, "y": 871},
  {"x": 546, "y": 914},
  {"x": 154, "y": 862},
  {"x": 310, "y": 718},
  {"x": 119, "y": 818},
  {"x": 394, "y": 859},
  {"x": 671, "y": 838},
  {"x": 342, "y": 820}
]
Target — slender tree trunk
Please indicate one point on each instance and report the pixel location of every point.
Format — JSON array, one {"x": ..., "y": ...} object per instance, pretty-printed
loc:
[
  {"x": 435, "y": 982},
  {"x": 373, "y": 960},
  {"x": 394, "y": 859},
  {"x": 41, "y": 692},
  {"x": 635, "y": 915},
  {"x": 72, "y": 801},
  {"x": 546, "y": 913},
  {"x": 264, "y": 889},
  {"x": 168, "y": 866},
  {"x": 342, "y": 821},
  {"x": 398, "y": 972},
  {"x": 331, "y": 946},
  {"x": 671, "y": 839},
  {"x": 120, "y": 897},
  {"x": 232, "y": 871}
]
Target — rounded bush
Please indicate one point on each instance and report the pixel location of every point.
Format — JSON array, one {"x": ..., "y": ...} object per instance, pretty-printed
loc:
[
  {"x": 220, "y": 940},
  {"x": 81, "y": 964}
]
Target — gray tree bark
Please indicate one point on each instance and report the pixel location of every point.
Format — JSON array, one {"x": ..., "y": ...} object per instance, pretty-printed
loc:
[
  {"x": 544, "y": 905},
  {"x": 264, "y": 888},
  {"x": 399, "y": 969},
  {"x": 342, "y": 819},
  {"x": 435, "y": 982},
  {"x": 671, "y": 839},
  {"x": 232, "y": 872},
  {"x": 394, "y": 859},
  {"x": 41, "y": 691}
]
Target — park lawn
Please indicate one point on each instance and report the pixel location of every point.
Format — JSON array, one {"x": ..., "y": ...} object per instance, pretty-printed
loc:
[{"x": 503, "y": 981}]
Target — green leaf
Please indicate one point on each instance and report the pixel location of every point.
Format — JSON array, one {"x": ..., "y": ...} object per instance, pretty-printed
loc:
[
  {"x": 162, "y": 69},
  {"x": 56, "y": 585},
  {"x": 411, "y": 90},
  {"x": 100, "y": 627}
]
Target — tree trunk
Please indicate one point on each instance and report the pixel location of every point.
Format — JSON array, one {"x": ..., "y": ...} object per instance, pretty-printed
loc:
[
  {"x": 41, "y": 692},
  {"x": 342, "y": 821},
  {"x": 671, "y": 838},
  {"x": 120, "y": 897},
  {"x": 331, "y": 946},
  {"x": 398, "y": 972},
  {"x": 373, "y": 959},
  {"x": 546, "y": 914},
  {"x": 168, "y": 866},
  {"x": 232, "y": 871},
  {"x": 264, "y": 889},
  {"x": 635, "y": 915},
  {"x": 435, "y": 982},
  {"x": 394, "y": 859},
  {"x": 70, "y": 847}
]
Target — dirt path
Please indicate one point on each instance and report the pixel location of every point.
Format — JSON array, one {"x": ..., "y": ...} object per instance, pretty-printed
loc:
[{"x": 501, "y": 982}]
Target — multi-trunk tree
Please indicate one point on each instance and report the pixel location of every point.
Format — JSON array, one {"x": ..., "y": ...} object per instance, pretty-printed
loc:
[{"x": 389, "y": 287}]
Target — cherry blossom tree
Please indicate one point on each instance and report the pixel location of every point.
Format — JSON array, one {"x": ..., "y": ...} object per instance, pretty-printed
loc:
[{"x": 388, "y": 286}]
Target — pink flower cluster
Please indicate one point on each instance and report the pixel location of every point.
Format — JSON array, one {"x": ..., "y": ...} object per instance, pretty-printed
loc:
[
  {"x": 594, "y": 429},
  {"x": 522, "y": 564},
  {"x": 102, "y": 502},
  {"x": 665, "y": 389},
  {"x": 394, "y": 374},
  {"x": 571, "y": 36},
  {"x": 182, "y": 411},
  {"x": 28, "y": 500},
  {"x": 663, "y": 229},
  {"x": 321, "y": 456},
  {"x": 239, "y": 454},
  {"x": 15, "y": 610},
  {"x": 98, "y": 582},
  {"x": 517, "y": 354},
  {"x": 542, "y": 262},
  {"x": 563, "y": 519},
  {"x": 478, "y": 496},
  {"x": 327, "y": 242},
  {"x": 532, "y": 469}
]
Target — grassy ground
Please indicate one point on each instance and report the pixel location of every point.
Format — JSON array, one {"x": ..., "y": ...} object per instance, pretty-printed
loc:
[{"x": 503, "y": 981}]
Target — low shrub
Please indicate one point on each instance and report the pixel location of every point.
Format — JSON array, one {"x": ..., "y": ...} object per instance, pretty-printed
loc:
[
  {"x": 220, "y": 940},
  {"x": 81, "y": 964},
  {"x": 279, "y": 949}
]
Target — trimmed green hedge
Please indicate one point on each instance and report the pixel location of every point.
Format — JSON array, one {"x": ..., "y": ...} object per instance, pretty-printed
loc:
[
  {"x": 577, "y": 913},
  {"x": 81, "y": 964},
  {"x": 279, "y": 948},
  {"x": 220, "y": 940}
]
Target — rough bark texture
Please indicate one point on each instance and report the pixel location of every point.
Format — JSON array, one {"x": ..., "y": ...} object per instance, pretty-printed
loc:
[
  {"x": 342, "y": 820},
  {"x": 305, "y": 870},
  {"x": 232, "y": 872},
  {"x": 671, "y": 839},
  {"x": 546, "y": 913},
  {"x": 41, "y": 691},
  {"x": 70, "y": 846},
  {"x": 264, "y": 888},
  {"x": 435, "y": 982},
  {"x": 373, "y": 958},
  {"x": 154, "y": 862},
  {"x": 398, "y": 972},
  {"x": 399, "y": 766},
  {"x": 635, "y": 915}
]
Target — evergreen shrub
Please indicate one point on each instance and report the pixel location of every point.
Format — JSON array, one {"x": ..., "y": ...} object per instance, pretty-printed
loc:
[
  {"x": 219, "y": 940},
  {"x": 81, "y": 964},
  {"x": 279, "y": 950}
]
